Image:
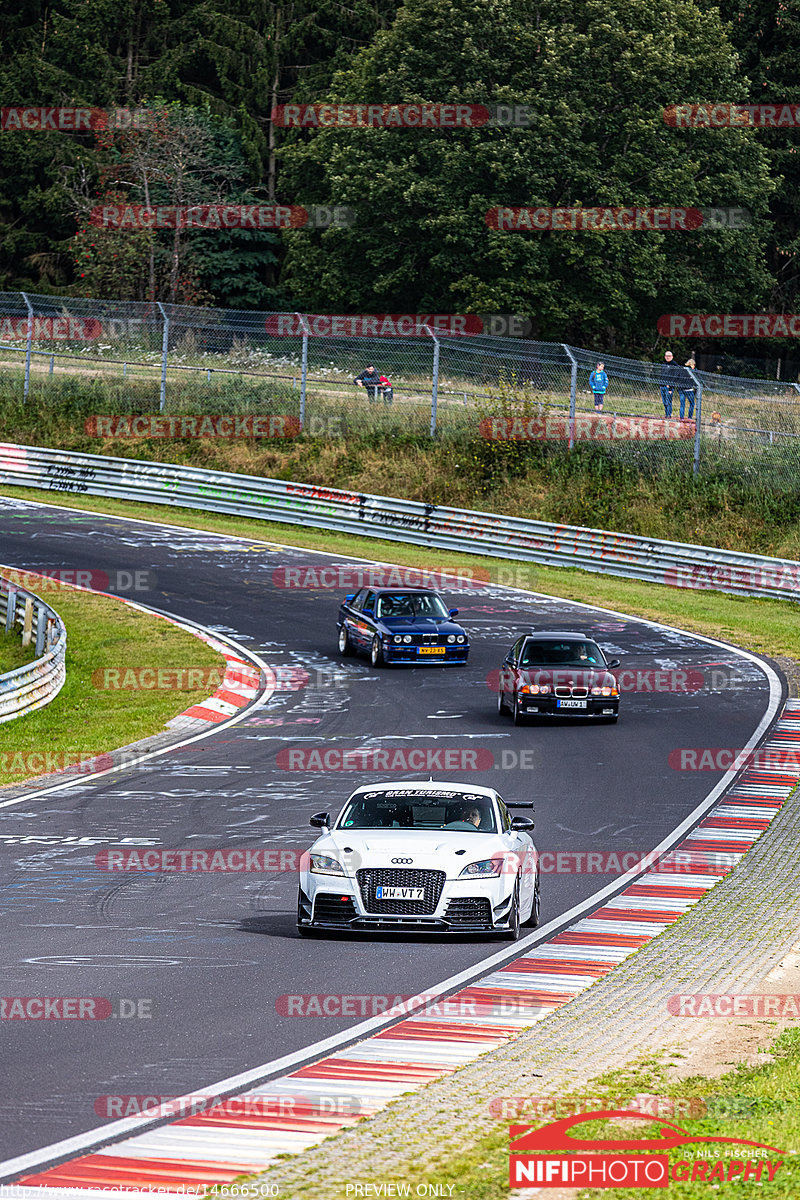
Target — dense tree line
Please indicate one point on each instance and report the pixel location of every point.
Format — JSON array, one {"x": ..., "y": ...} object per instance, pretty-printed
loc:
[{"x": 595, "y": 77}]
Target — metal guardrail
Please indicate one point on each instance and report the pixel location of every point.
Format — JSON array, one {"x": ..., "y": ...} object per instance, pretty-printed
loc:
[
  {"x": 674, "y": 563},
  {"x": 34, "y": 684}
]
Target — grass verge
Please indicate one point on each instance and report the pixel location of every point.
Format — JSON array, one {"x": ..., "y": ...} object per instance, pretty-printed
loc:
[
  {"x": 768, "y": 627},
  {"x": 86, "y": 718},
  {"x": 757, "y": 1104},
  {"x": 745, "y": 498},
  {"x": 12, "y": 652}
]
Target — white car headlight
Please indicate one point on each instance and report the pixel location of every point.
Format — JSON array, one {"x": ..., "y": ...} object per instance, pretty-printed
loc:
[
  {"x": 461, "y": 639},
  {"x": 484, "y": 868},
  {"x": 451, "y": 638},
  {"x": 397, "y": 638},
  {"x": 321, "y": 864},
  {"x": 407, "y": 638}
]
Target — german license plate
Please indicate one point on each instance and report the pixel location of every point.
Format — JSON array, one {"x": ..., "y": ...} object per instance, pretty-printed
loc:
[
  {"x": 399, "y": 893},
  {"x": 571, "y": 704},
  {"x": 430, "y": 650}
]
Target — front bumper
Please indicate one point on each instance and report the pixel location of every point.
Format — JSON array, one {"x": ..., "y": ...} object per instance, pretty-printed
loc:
[
  {"x": 546, "y": 706},
  {"x": 464, "y": 906},
  {"x": 397, "y": 653}
]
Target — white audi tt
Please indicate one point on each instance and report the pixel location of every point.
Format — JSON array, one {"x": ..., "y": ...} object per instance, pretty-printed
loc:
[{"x": 436, "y": 857}]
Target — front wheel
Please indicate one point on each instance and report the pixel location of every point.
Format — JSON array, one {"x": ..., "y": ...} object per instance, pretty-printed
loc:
[
  {"x": 533, "y": 919},
  {"x": 345, "y": 645},
  {"x": 501, "y": 704},
  {"x": 514, "y": 925},
  {"x": 376, "y": 653}
]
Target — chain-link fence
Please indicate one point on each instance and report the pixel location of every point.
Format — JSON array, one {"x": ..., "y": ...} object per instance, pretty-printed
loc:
[{"x": 149, "y": 358}]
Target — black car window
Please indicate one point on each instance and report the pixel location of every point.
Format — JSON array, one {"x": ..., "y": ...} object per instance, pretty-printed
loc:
[
  {"x": 358, "y": 599},
  {"x": 514, "y": 652},
  {"x": 405, "y": 606},
  {"x": 369, "y": 602},
  {"x": 561, "y": 652},
  {"x": 462, "y": 812}
]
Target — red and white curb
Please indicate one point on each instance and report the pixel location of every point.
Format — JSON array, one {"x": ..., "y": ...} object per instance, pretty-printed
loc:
[
  {"x": 219, "y": 1144},
  {"x": 240, "y": 685}
]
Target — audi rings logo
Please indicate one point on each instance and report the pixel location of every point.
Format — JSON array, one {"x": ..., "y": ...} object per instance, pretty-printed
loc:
[{"x": 406, "y": 861}]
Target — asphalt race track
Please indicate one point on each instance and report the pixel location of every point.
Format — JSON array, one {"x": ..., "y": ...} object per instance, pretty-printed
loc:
[{"x": 213, "y": 952}]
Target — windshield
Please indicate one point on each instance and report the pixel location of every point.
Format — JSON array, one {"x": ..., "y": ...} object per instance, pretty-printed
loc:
[
  {"x": 463, "y": 811},
  {"x": 561, "y": 653},
  {"x": 408, "y": 605}
]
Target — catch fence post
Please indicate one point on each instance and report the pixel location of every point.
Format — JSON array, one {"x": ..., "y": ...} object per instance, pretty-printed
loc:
[
  {"x": 27, "y": 386},
  {"x": 573, "y": 391},
  {"x": 164, "y": 351},
  {"x": 303, "y": 369},
  {"x": 698, "y": 413}
]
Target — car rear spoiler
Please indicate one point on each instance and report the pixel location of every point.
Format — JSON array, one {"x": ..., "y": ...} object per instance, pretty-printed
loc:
[{"x": 520, "y": 805}]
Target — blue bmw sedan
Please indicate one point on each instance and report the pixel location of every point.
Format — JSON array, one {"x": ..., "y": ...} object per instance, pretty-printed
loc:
[{"x": 410, "y": 625}]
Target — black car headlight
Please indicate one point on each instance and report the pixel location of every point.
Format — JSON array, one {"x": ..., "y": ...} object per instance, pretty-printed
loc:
[
  {"x": 483, "y": 869},
  {"x": 323, "y": 864}
]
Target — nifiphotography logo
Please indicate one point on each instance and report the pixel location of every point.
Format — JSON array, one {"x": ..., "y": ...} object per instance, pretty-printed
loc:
[{"x": 548, "y": 1156}]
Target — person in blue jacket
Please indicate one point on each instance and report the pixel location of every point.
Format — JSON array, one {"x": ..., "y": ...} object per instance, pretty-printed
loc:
[{"x": 598, "y": 382}]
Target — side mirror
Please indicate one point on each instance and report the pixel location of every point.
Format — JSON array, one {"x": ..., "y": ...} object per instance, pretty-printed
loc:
[
  {"x": 522, "y": 823},
  {"x": 320, "y": 821},
  {"x": 613, "y": 662},
  {"x": 347, "y": 599},
  {"x": 453, "y": 612},
  {"x": 368, "y": 612}
]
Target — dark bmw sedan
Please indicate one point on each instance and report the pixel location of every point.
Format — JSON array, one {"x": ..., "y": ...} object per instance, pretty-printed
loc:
[
  {"x": 558, "y": 675},
  {"x": 410, "y": 625}
]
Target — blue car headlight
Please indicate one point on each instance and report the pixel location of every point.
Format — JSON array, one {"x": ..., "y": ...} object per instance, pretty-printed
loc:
[
  {"x": 483, "y": 869},
  {"x": 322, "y": 864}
]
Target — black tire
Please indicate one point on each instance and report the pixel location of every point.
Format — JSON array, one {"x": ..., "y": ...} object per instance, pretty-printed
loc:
[
  {"x": 302, "y": 930},
  {"x": 513, "y": 932},
  {"x": 533, "y": 919},
  {"x": 501, "y": 704},
  {"x": 376, "y": 653},
  {"x": 346, "y": 648},
  {"x": 516, "y": 715}
]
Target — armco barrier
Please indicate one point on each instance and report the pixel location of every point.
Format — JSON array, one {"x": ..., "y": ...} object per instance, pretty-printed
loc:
[
  {"x": 676, "y": 563},
  {"x": 36, "y": 683}
]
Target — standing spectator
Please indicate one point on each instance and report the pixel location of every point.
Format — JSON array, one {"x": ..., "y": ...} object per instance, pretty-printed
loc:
[
  {"x": 686, "y": 388},
  {"x": 670, "y": 376},
  {"x": 598, "y": 382},
  {"x": 370, "y": 379}
]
